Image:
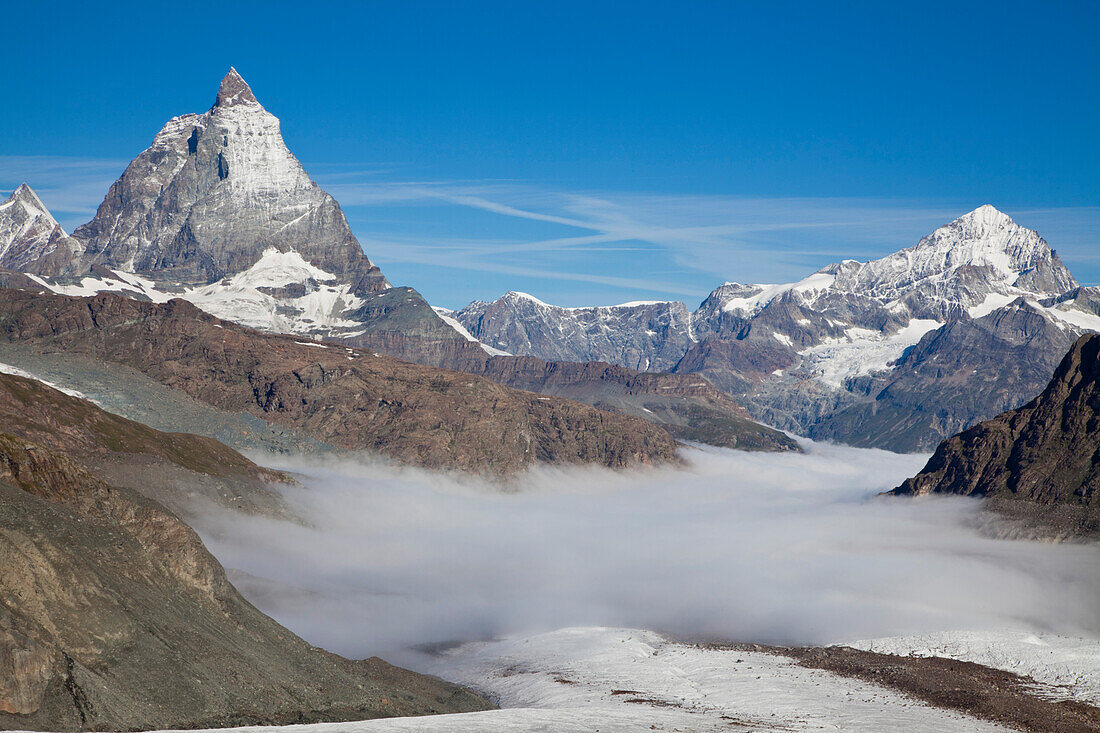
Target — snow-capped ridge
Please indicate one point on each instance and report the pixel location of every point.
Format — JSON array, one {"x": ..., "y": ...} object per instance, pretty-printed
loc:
[
  {"x": 518, "y": 295},
  {"x": 986, "y": 217}
]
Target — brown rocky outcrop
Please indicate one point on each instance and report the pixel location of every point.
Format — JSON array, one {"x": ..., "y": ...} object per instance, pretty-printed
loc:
[
  {"x": 1046, "y": 453},
  {"x": 686, "y": 405},
  {"x": 173, "y": 468}
]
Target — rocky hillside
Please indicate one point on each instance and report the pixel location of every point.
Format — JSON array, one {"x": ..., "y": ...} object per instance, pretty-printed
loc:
[
  {"x": 176, "y": 469},
  {"x": 1046, "y": 452},
  {"x": 113, "y": 616},
  {"x": 686, "y": 406},
  {"x": 344, "y": 397}
]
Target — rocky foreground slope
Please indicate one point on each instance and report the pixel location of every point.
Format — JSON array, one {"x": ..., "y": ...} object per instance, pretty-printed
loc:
[
  {"x": 1046, "y": 453},
  {"x": 180, "y": 470},
  {"x": 113, "y": 616},
  {"x": 343, "y": 397}
]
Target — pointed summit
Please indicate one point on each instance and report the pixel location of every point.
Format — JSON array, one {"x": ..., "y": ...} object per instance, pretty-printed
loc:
[
  {"x": 986, "y": 217},
  {"x": 26, "y": 196},
  {"x": 31, "y": 240},
  {"x": 234, "y": 90},
  {"x": 32, "y": 206}
]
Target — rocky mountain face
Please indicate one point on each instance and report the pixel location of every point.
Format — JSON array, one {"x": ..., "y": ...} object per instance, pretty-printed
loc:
[
  {"x": 649, "y": 336},
  {"x": 217, "y": 211},
  {"x": 1046, "y": 453},
  {"x": 113, "y": 616},
  {"x": 213, "y": 193},
  {"x": 30, "y": 238},
  {"x": 895, "y": 353},
  {"x": 953, "y": 377},
  {"x": 340, "y": 396}
]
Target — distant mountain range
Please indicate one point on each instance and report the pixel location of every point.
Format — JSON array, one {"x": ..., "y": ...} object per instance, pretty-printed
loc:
[{"x": 895, "y": 353}]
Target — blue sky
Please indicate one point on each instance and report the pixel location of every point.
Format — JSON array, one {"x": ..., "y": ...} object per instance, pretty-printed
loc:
[{"x": 596, "y": 152}]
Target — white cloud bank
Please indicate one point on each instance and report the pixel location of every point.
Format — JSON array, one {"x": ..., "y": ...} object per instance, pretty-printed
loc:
[{"x": 738, "y": 546}]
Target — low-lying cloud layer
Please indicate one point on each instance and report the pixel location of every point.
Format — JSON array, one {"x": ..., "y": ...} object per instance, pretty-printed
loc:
[{"x": 738, "y": 546}]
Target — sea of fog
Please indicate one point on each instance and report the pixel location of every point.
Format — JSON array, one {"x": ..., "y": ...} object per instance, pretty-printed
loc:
[{"x": 731, "y": 545}]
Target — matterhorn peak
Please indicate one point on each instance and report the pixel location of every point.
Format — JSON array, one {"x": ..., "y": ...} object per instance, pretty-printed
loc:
[{"x": 234, "y": 90}]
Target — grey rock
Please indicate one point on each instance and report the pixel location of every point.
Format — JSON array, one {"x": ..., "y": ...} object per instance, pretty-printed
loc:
[
  {"x": 1045, "y": 454},
  {"x": 650, "y": 336},
  {"x": 836, "y": 355},
  {"x": 212, "y": 193}
]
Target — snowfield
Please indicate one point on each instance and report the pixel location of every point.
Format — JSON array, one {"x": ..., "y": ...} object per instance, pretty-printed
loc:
[
  {"x": 637, "y": 678},
  {"x": 618, "y": 680}
]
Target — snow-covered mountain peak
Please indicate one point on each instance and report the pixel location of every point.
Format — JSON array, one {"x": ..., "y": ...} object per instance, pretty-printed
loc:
[
  {"x": 983, "y": 232},
  {"x": 29, "y": 233},
  {"x": 211, "y": 194},
  {"x": 986, "y": 218},
  {"x": 516, "y": 295},
  {"x": 961, "y": 262},
  {"x": 234, "y": 90},
  {"x": 30, "y": 205},
  {"x": 25, "y": 222}
]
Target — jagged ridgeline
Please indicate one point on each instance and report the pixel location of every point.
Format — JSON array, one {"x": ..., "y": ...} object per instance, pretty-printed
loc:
[
  {"x": 218, "y": 211},
  {"x": 896, "y": 353},
  {"x": 211, "y": 194}
]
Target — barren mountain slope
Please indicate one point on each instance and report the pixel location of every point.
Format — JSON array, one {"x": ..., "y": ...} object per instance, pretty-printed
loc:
[
  {"x": 347, "y": 398},
  {"x": 113, "y": 616},
  {"x": 1046, "y": 453}
]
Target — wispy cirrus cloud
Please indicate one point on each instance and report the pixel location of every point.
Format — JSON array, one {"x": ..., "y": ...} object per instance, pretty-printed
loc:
[
  {"x": 70, "y": 187},
  {"x": 578, "y": 247},
  {"x": 689, "y": 243}
]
